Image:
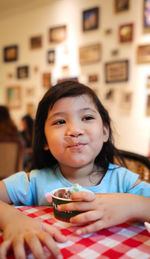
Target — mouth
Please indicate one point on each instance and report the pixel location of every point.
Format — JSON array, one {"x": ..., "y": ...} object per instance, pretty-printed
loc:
[{"x": 76, "y": 146}]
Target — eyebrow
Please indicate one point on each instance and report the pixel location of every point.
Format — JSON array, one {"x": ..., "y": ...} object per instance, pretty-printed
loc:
[{"x": 64, "y": 113}]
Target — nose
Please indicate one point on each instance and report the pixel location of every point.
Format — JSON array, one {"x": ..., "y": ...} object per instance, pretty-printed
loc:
[{"x": 74, "y": 132}]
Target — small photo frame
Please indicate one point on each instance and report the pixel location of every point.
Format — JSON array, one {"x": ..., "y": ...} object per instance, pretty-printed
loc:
[
  {"x": 36, "y": 42},
  {"x": 30, "y": 109},
  {"x": 125, "y": 103},
  {"x": 90, "y": 19},
  {"x": 13, "y": 97},
  {"x": 51, "y": 56},
  {"x": 126, "y": 33},
  {"x": 58, "y": 34},
  {"x": 22, "y": 72},
  {"x": 90, "y": 54},
  {"x": 121, "y": 5},
  {"x": 10, "y": 53},
  {"x": 146, "y": 15},
  {"x": 143, "y": 53},
  {"x": 148, "y": 105},
  {"x": 93, "y": 78},
  {"x": 116, "y": 71},
  {"x": 46, "y": 79}
]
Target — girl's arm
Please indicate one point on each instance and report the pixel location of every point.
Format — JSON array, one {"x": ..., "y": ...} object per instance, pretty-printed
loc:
[
  {"x": 19, "y": 229},
  {"x": 105, "y": 210}
]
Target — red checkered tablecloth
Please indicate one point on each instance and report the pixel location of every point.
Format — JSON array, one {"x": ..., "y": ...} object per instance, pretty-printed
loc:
[{"x": 122, "y": 241}]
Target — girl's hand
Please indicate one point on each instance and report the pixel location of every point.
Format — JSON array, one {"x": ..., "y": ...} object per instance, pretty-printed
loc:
[
  {"x": 101, "y": 210},
  {"x": 20, "y": 229}
]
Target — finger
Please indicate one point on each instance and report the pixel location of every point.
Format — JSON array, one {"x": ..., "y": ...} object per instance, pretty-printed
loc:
[
  {"x": 48, "y": 241},
  {"x": 35, "y": 246},
  {"x": 84, "y": 196},
  {"x": 19, "y": 250},
  {"x": 98, "y": 225},
  {"x": 86, "y": 217},
  {"x": 4, "y": 247},
  {"x": 55, "y": 233},
  {"x": 77, "y": 206}
]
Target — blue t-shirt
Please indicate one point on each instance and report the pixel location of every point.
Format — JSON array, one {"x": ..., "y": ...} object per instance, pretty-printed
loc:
[{"x": 21, "y": 190}]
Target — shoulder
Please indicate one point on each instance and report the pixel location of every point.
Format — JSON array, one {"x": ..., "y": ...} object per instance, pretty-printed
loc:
[{"x": 123, "y": 176}]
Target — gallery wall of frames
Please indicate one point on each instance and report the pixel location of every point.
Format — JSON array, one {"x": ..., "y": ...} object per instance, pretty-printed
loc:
[{"x": 104, "y": 44}]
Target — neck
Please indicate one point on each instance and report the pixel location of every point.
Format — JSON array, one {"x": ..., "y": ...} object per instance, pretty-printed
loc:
[{"x": 88, "y": 175}]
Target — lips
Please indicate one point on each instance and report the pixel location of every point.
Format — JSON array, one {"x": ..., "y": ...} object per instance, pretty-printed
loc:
[{"x": 76, "y": 146}]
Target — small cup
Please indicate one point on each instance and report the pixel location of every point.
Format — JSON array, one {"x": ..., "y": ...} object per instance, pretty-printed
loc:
[{"x": 62, "y": 215}]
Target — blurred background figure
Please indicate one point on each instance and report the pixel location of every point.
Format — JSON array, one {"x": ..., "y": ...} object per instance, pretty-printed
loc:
[
  {"x": 26, "y": 133},
  {"x": 7, "y": 126},
  {"x": 11, "y": 145}
]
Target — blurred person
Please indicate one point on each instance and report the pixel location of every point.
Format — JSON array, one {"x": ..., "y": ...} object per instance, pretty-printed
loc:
[
  {"x": 7, "y": 125},
  {"x": 26, "y": 133}
]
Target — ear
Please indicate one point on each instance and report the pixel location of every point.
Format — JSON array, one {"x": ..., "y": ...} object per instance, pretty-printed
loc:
[{"x": 105, "y": 132}]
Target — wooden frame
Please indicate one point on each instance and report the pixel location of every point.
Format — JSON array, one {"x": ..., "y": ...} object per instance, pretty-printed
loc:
[
  {"x": 90, "y": 19},
  {"x": 36, "y": 42},
  {"x": 58, "y": 34},
  {"x": 51, "y": 56},
  {"x": 143, "y": 53},
  {"x": 116, "y": 71},
  {"x": 121, "y": 5},
  {"x": 22, "y": 72},
  {"x": 46, "y": 79},
  {"x": 10, "y": 53},
  {"x": 126, "y": 33},
  {"x": 146, "y": 15},
  {"x": 90, "y": 53},
  {"x": 13, "y": 97}
]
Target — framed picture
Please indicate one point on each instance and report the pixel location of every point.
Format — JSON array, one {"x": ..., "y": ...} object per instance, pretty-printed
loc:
[
  {"x": 121, "y": 5},
  {"x": 22, "y": 72},
  {"x": 93, "y": 78},
  {"x": 90, "y": 19},
  {"x": 30, "y": 109},
  {"x": 126, "y": 33},
  {"x": 58, "y": 34},
  {"x": 116, "y": 71},
  {"x": 36, "y": 42},
  {"x": 10, "y": 53},
  {"x": 51, "y": 56},
  {"x": 90, "y": 54},
  {"x": 143, "y": 53},
  {"x": 148, "y": 105},
  {"x": 46, "y": 79},
  {"x": 13, "y": 97},
  {"x": 125, "y": 102},
  {"x": 146, "y": 15}
]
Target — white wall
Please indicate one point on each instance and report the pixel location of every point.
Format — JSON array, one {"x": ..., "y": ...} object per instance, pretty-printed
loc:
[{"x": 132, "y": 131}]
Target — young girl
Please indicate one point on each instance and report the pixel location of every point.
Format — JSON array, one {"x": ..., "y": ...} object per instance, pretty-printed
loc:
[{"x": 72, "y": 144}]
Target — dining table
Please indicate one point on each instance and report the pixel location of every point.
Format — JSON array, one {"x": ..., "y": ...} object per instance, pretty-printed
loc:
[{"x": 124, "y": 241}]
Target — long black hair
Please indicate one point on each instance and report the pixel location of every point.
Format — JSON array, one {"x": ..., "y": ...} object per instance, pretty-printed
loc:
[{"x": 43, "y": 158}]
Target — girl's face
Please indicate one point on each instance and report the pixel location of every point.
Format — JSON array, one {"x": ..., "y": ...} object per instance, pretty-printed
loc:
[{"x": 75, "y": 132}]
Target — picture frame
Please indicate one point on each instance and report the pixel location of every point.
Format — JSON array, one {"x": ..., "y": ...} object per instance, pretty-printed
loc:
[
  {"x": 89, "y": 53},
  {"x": 10, "y": 53},
  {"x": 51, "y": 56},
  {"x": 117, "y": 71},
  {"x": 126, "y": 33},
  {"x": 22, "y": 72},
  {"x": 121, "y": 5},
  {"x": 146, "y": 15},
  {"x": 90, "y": 19},
  {"x": 46, "y": 79},
  {"x": 148, "y": 105},
  {"x": 58, "y": 34},
  {"x": 143, "y": 53},
  {"x": 13, "y": 97},
  {"x": 93, "y": 78},
  {"x": 36, "y": 42}
]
